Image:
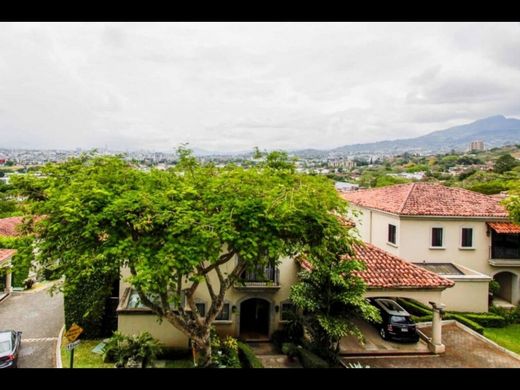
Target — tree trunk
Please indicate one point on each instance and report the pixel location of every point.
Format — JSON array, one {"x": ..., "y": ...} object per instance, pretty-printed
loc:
[{"x": 202, "y": 352}]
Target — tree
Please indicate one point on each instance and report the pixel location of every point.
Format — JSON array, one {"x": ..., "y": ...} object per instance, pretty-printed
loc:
[
  {"x": 505, "y": 163},
  {"x": 331, "y": 296},
  {"x": 192, "y": 226}
]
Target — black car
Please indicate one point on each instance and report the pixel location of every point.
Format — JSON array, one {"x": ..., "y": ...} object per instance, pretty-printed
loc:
[
  {"x": 10, "y": 341},
  {"x": 396, "y": 324}
]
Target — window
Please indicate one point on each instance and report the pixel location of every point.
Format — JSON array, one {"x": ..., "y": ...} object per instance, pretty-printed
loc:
[
  {"x": 437, "y": 237},
  {"x": 287, "y": 310},
  {"x": 201, "y": 307},
  {"x": 134, "y": 302},
  {"x": 467, "y": 238},
  {"x": 224, "y": 314},
  {"x": 392, "y": 233}
]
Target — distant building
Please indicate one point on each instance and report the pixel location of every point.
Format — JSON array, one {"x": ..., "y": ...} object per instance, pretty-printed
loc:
[
  {"x": 344, "y": 186},
  {"x": 476, "y": 146},
  {"x": 342, "y": 163}
]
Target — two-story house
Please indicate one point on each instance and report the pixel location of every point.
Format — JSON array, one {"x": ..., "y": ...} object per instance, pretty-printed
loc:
[
  {"x": 259, "y": 305},
  {"x": 459, "y": 234}
]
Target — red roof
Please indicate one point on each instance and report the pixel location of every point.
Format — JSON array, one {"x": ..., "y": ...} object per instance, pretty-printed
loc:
[
  {"x": 8, "y": 226},
  {"x": 504, "y": 227},
  {"x": 6, "y": 254},
  {"x": 427, "y": 199},
  {"x": 384, "y": 270}
]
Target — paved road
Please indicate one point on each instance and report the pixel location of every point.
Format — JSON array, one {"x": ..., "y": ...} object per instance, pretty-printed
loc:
[{"x": 40, "y": 317}]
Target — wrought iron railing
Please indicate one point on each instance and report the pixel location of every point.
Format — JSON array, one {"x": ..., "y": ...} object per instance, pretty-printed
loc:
[
  {"x": 499, "y": 252},
  {"x": 267, "y": 276}
]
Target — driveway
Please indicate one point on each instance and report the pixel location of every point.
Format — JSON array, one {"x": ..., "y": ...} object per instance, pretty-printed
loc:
[
  {"x": 375, "y": 345},
  {"x": 40, "y": 317},
  {"x": 463, "y": 350}
]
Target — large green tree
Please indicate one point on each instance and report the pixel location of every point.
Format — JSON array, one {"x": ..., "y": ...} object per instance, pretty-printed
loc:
[
  {"x": 331, "y": 296},
  {"x": 175, "y": 228},
  {"x": 505, "y": 163}
]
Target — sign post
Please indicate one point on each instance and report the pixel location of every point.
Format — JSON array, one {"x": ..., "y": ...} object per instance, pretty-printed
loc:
[{"x": 72, "y": 334}]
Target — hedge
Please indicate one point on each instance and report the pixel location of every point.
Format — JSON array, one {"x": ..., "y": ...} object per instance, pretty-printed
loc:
[
  {"x": 84, "y": 304},
  {"x": 310, "y": 360},
  {"x": 247, "y": 356},
  {"x": 487, "y": 320},
  {"x": 466, "y": 321},
  {"x": 427, "y": 318},
  {"x": 414, "y": 307}
]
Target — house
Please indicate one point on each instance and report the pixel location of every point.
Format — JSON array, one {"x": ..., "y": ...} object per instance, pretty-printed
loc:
[
  {"x": 254, "y": 309},
  {"x": 8, "y": 228},
  {"x": 5, "y": 272},
  {"x": 462, "y": 235}
]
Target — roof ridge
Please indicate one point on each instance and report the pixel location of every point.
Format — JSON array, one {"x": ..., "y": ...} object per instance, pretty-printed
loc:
[{"x": 412, "y": 186}]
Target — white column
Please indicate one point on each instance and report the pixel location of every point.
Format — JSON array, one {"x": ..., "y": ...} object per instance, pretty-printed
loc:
[
  {"x": 436, "y": 345},
  {"x": 8, "y": 281}
]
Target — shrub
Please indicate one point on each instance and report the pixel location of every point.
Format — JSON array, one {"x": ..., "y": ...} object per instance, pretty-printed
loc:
[
  {"x": 290, "y": 350},
  {"x": 494, "y": 287},
  {"x": 487, "y": 320},
  {"x": 414, "y": 307},
  {"x": 141, "y": 349},
  {"x": 466, "y": 321},
  {"x": 310, "y": 360},
  {"x": 247, "y": 356},
  {"x": 230, "y": 353},
  {"x": 28, "y": 283},
  {"x": 511, "y": 316},
  {"x": 279, "y": 337}
]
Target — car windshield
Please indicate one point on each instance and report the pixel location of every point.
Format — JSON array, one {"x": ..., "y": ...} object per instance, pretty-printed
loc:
[
  {"x": 5, "y": 346},
  {"x": 399, "y": 319}
]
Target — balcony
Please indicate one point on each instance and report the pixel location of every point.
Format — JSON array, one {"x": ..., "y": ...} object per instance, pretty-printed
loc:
[
  {"x": 504, "y": 256},
  {"x": 261, "y": 279}
]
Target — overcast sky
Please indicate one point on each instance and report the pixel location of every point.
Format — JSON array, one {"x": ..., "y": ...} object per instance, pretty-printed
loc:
[{"x": 233, "y": 86}]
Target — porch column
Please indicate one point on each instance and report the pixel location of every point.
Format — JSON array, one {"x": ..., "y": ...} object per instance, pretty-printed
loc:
[
  {"x": 436, "y": 345},
  {"x": 8, "y": 281}
]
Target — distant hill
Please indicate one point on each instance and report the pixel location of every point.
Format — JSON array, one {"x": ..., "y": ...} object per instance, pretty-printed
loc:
[{"x": 494, "y": 131}]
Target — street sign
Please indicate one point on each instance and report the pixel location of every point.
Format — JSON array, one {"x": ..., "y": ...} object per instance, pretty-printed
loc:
[
  {"x": 73, "y": 345},
  {"x": 73, "y": 333}
]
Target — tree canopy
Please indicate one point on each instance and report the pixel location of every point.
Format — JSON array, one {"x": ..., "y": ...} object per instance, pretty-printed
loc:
[{"x": 173, "y": 228}]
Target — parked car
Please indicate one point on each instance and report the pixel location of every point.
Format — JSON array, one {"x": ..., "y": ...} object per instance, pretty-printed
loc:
[
  {"x": 396, "y": 322},
  {"x": 10, "y": 341}
]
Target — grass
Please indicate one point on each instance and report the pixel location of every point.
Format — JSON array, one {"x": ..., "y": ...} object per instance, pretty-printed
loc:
[
  {"x": 508, "y": 337},
  {"x": 83, "y": 355},
  {"x": 183, "y": 363},
  {"x": 85, "y": 358}
]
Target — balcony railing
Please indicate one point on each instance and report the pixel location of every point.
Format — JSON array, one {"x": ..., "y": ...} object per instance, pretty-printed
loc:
[
  {"x": 260, "y": 278},
  {"x": 509, "y": 253}
]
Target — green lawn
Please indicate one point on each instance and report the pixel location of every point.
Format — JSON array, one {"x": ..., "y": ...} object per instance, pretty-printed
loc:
[
  {"x": 83, "y": 357},
  {"x": 508, "y": 337}
]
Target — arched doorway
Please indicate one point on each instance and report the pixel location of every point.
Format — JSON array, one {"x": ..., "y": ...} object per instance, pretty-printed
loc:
[
  {"x": 505, "y": 280},
  {"x": 254, "y": 319}
]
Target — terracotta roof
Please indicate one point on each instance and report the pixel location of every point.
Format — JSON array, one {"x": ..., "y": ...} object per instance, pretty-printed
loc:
[
  {"x": 504, "y": 227},
  {"x": 384, "y": 270},
  {"x": 427, "y": 199},
  {"x": 8, "y": 226},
  {"x": 5, "y": 254}
]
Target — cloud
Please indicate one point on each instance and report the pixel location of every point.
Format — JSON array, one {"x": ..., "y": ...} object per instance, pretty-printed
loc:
[{"x": 232, "y": 86}]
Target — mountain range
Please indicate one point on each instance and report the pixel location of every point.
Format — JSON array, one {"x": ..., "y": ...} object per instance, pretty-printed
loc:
[{"x": 494, "y": 131}]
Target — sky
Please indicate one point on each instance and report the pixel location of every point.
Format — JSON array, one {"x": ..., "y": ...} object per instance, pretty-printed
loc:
[{"x": 233, "y": 86}]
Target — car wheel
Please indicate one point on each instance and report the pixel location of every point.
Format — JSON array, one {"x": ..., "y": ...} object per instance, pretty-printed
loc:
[{"x": 382, "y": 333}]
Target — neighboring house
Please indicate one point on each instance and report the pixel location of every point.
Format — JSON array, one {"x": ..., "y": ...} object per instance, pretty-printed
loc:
[
  {"x": 8, "y": 228},
  {"x": 462, "y": 235},
  {"x": 5, "y": 272},
  {"x": 256, "y": 308}
]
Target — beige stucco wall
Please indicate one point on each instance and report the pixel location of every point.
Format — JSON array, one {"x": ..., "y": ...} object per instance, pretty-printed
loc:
[
  {"x": 467, "y": 296},
  {"x": 287, "y": 276},
  {"x": 372, "y": 226},
  {"x": 166, "y": 333},
  {"x": 416, "y": 245}
]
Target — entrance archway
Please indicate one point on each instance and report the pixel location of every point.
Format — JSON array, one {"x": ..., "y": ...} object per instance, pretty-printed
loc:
[
  {"x": 255, "y": 315},
  {"x": 506, "y": 281}
]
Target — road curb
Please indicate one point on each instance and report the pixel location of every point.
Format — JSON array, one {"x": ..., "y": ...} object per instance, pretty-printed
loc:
[{"x": 58, "y": 348}]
